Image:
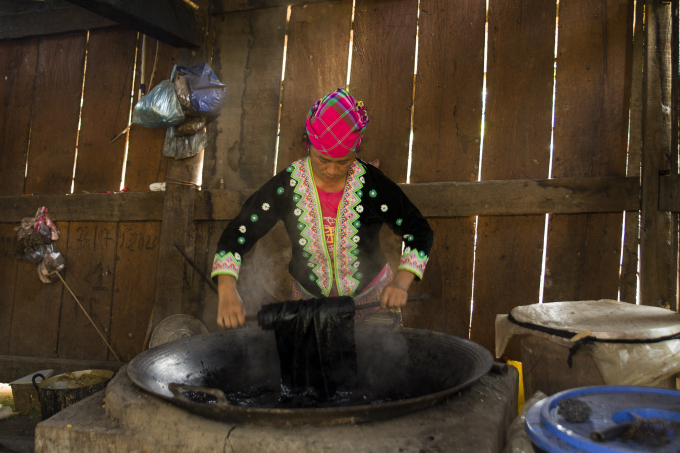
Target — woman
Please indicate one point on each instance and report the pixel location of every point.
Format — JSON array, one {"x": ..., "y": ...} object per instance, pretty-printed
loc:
[{"x": 332, "y": 206}]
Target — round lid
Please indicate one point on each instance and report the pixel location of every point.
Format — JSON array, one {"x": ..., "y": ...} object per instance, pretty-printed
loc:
[
  {"x": 630, "y": 419},
  {"x": 175, "y": 327},
  {"x": 607, "y": 319}
]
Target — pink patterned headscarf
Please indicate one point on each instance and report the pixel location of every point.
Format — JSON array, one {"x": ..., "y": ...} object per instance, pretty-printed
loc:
[{"x": 335, "y": 124}]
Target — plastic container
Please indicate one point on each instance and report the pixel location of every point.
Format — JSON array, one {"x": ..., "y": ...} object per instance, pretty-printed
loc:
[
  {"x": 25, "y": 395},
  {"x": 612, "y": 407}
]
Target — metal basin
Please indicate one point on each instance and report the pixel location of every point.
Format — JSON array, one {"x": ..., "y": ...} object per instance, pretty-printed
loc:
[{"x": 427, "y": 366}]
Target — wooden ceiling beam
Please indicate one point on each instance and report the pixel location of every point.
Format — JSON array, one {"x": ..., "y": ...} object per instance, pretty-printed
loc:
[{"x": 173, "y": 22}]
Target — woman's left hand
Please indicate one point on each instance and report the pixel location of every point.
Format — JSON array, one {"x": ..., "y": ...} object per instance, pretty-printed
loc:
[{"x": 396, "y": 293}]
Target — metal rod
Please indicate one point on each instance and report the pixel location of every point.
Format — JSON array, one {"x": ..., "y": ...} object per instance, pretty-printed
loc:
[
  {"x": 376, "y": 304},
  {"x": 200, "y": 272},
  {"x": 88, "y": 316}
]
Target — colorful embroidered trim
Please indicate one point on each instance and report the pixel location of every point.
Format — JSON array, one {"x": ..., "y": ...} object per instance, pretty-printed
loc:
[
  {"x": 226, "y": 264},
  {"x": 347, "y": 226},
  {"x": 308, "y": 210},
  {"x": 414, "y": 261}
]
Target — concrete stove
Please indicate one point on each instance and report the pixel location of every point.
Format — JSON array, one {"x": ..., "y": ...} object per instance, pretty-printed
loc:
[{"x": 124, "y": 418}]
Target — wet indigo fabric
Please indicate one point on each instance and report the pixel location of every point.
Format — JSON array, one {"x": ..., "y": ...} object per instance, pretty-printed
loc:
[{"x": 315, "y": 341}]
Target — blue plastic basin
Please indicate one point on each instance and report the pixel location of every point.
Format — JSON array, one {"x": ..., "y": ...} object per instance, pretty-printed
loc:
[{"x": 610, "y": 405}]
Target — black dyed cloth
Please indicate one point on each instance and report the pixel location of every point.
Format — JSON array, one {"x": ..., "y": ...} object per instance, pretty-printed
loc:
[{"x": 315, "y": 341}]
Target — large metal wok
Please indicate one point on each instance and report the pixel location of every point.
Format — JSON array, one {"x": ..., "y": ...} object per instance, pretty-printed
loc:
[{"x": 428, "y": 366}]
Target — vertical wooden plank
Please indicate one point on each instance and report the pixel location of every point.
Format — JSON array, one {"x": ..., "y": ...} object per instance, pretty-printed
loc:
[
  {"x": 516, "y": 145},
  {"x": 56, "y": 109},
  {"x": 446, "y": 136},
  {"x": 448, "y": 280},
  {"x": 628, "y": 284},
  {"x": 106, "y": 107},
  {"x": 145, "y": 164},
  {"x": 8, "y": 274},
  {"x": 248, "y": 58},
  {"x": 447, "y": 117},
  {"x": 92, "y": 265},
  {"x": 316, "y": 64},
  {"x": 135, "y": 286},
  {"x": 37, "y": 307},
  {"x": 382, "y": 77},
  {"x": 18, "y": 60},
  {"x": 590, "y": 139},
  {"x": 657, "y": 270}
]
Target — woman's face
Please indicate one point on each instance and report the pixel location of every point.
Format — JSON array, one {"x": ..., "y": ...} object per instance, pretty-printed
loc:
[{"x": 330, "y": 169}]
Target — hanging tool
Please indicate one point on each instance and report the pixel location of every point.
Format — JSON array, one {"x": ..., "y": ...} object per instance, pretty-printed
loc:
[
  {"x": 203, "y": 276},
  {"x": 88, "y": 316}
]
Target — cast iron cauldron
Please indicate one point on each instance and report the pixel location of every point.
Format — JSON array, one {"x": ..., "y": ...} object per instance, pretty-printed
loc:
[
  {"x": 427, "y": 366},
  {"x": 59, "y": 392}
]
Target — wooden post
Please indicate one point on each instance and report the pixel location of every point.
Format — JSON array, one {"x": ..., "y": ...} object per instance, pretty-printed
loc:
[
  {"x": 657, "y": 259},
  {"x": 628, "y": 282},
  {"x": 173, "y": 279},
  {"x": 675, "y": 103}
]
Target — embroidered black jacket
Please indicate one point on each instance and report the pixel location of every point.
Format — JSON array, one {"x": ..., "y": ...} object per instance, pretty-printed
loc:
[{"x": 369, "y": 200}]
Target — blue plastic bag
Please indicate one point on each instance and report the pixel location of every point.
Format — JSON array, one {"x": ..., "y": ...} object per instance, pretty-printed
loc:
[{"x": 207, "y": 92}]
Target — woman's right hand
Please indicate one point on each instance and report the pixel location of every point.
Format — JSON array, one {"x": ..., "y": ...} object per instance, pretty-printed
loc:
[{"x": 231, "y": 312}]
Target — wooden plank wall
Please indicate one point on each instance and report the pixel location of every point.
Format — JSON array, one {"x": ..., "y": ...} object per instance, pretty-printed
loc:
[
  {"x": 430, "y": 122},
  {"x": 591, "y": 116},
  {"x": 443, "y": 104},
  {"x": 111, "y": 266}
]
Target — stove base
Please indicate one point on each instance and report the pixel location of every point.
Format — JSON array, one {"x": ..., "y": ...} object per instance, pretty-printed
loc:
[{"x": 126, "y": 419}]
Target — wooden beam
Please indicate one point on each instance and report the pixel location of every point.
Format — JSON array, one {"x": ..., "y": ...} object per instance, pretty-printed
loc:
[
  {"x": 173, "y": 276},
  {"x": 657, "y": 259},
  {"x": 170, "y": 21},
  {"x": 230, "y": 6},
  {"x": 496, "y": 198},
  {"x": 115, "y": 207},
  {"x": 16, "y": 367},
  {"x": 46, "y": 18}
]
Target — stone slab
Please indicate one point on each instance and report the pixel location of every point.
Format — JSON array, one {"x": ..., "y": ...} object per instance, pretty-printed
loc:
[{"x": 126, "y": 419}]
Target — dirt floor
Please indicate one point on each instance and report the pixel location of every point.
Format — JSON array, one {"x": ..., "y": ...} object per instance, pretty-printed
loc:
[{"x": 17, "y": 433}]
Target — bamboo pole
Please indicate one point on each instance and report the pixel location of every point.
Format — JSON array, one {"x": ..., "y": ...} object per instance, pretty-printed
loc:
[{"x": 88, "y": 316}]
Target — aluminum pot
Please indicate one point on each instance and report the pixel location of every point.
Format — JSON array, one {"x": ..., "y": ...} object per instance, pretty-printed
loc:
[{"x": 61, "y": 391}]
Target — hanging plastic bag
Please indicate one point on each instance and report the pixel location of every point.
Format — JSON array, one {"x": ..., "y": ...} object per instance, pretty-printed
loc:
[
  {"x": 51, "y": 262},
  {"x": 190, "y": 126},
  {"x": 160, "y": 108},
  {"x": 207, "y": 92},
  {"x": 184, "y": 95},
  {"x": 184, "y": 147}
]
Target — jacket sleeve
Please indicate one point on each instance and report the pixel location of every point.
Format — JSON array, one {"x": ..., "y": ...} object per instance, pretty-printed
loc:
[
  {"x": 258, "y": 215},
  {"x": 394, "y": 209}
]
